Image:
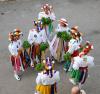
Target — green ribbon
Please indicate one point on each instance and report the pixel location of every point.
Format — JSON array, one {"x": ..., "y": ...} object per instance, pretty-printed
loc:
[{"x": 50, "y": 27}]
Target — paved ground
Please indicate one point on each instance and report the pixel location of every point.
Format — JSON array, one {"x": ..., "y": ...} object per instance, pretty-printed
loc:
[{"x": 20, "y": 13}]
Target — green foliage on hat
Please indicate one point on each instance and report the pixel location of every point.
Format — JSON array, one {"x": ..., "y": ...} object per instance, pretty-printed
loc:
[
  {"x": 26, "y": 44},
  {"x": 44, "y": 46},
  {"x": 67, "y": 56},
  {"x": 39, "y": 67}
]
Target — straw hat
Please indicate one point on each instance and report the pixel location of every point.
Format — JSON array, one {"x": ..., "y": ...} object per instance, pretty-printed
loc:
[
  {"x": 64, "y": 21},
  {"x": 17, "y": 32},
  {"x": 75, "y": 32}
]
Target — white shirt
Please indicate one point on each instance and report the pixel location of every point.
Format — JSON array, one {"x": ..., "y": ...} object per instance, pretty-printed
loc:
[
  {"x": 13, "y": 48},
  {"x": 44, "y": 79},
  {"x": 42, "y": 35},
  {"x": 83, "y": 61},
  {"x": 33, "y": 37},
  {"x": 19, "y": 43},
  {"x": 73, "y": 45}
]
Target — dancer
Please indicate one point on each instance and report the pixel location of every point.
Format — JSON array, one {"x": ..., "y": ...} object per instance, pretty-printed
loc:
[
  {"x": 18, "y": 34},
  {"x": 81, "y": 63},
  {"x": 47, "y": 79},
  {"x": 35, "y": 38},
  {"x": 15, "y": 55},
  {"x": 47, "y": 16},
  {"x": 62, "y": 36},
  {"x": 73, "y": 47}
]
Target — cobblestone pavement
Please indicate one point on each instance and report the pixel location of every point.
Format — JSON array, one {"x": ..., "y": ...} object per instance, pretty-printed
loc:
[{"x": 20, "y": 13}]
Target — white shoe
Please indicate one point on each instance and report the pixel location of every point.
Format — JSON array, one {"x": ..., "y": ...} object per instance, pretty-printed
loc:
[
  {"x": 17, "y": 77},
  {"x": 82, "y": 92},
  {"x": 65, "y": 69},
  {"x": 21, "y": 68},
  {"x": 69, "y": 69},
  {"x": 72, "y": 81}
]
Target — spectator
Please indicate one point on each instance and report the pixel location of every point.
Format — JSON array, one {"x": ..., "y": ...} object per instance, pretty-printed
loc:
[{"x": 76, "y": 90}]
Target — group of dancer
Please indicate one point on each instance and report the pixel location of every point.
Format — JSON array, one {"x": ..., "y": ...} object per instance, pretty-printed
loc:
[{"x": 46, "y": 46}]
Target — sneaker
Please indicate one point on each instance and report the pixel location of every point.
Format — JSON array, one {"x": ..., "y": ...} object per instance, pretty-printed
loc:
[
  {"x": 82, "y": 92},
  {"x": 65, "y": 69},
  {"x": 17, "y": 77},
  {"x": 72, "y": 81}
]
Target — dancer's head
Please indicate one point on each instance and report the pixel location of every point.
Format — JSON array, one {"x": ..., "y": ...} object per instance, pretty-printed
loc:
[
  {"x": 75, "y": 33},
  {"x": 47, "y": 8},
  {"x": 17, "y": 33},
  {"x": 49, "y": 66},
  {"x": 38, "y": 25},
  {"x": 63, "y": 22},
  {"x": 75, "y": 90}
]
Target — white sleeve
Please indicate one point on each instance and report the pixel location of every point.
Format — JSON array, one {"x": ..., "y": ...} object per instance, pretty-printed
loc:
[
  {"x": 73, "y": 45},
  {"x": 68, "y": 30},
  {"x": 76, "y": 63},
  {"x": 80, "y": 41},
  {"x": 75, "y": 66},
  {"x": 53, "y": 17},
  {"x": 90, "y": 61},
  {"x": 40, "y": 15},
  {"x": 20, "y": 43},
  {"x": 43, "y": 36},
  {"x": 57, "y": 76},
  {"x": 38, "y": 79},
  {"x": 9, "y": 48},
  {"x": 58, "y": 29},
  {"x": 71, "y": 49},
  {"x": 30, "y": 37},
  {"x": 13, "y": 50}
]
